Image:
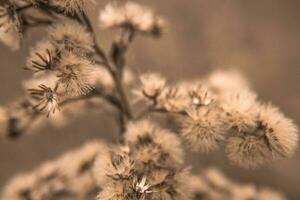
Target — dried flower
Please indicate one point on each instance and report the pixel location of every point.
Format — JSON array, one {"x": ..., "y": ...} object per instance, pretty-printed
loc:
[
  {"x": 151, "y": 87},
  {"x": 48, "y": 99},
  {"x": 43, "y": 57},
  {"x": 75, "y": 74},
  {"x": 151, "y": 145},
  {"x": 203, "y": 129},
  {"x": 247, "y": 151},
  {"x": 224, "y": 81},
  {"x": 241, "y": 110},
  {"x": 280, "y": 133},
  {"x": 131, "y": 15},
  {"x": 72, "y": 36},
  {"x": 68, "y": 177},
  {"x": 116, "y": 165},
  {"x": 10, "y": 25},
  {"x": 70, "y": 6},
  {"x": 174, "y": 99},
  {"x": 200, "y": 96}
]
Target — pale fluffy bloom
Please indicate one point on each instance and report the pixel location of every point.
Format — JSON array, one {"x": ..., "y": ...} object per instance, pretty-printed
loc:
[
  {"x": 241, "y": 110},
  {"x": 151, "y": 87},
  {"x": 223, "y": 81},
  {"x": 280, "y": 133},
  {"x": 70, "y": 6},
  {"x": 200, "y": 96},
  {"x": 150, "y": 144},
  {"x": 10, "y": 25},
  {"x": 75, "y": 74},
  {"x": 113, "y": 163},
  {"x": 68, "y": 177},
  {"x": 173, "y": 99},
  {"x": 72, "y": 36},
  {"x": 202, "y": 129},
  {"x": 247, "y": 151},
  {"x": 133, "y": 16}
]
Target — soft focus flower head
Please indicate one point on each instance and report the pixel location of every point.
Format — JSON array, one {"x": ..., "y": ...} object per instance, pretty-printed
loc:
[
  {"x": 75, "y": 74},
  {"x": 224, "y": 81},
  {"x": 72, "y": 36},
  {"x": 201, "y": 96},
  {"x": 281, "y": 134},
  {"x": 202, "y": 129},
  {"x": 131, "y": 15},
  {"x": 47, "y": 99},
  {"x": 10, "y": 25},
  {"x": 44, "y": 56},
  {"x": 70, "y": 6},
  {"x": 150, "y": 144},
  {"x": 174, "y": 99},
  {"x": 248, "y": 151},
  {"x": 151, "y": 86},
  {"x": 241, "y": 110}
]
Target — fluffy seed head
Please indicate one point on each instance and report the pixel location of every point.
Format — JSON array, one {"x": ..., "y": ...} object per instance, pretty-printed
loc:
[
  {"x": 113, "y": 165},
  {"x": 241, "y": 110},
  {"x": 72, "y": 36},
  {"x": 47, "y": 99},
  {"x": 202, "y": 129},
  {"x": 10, "y": 25},
  {"x": 247, "y": 151},
  {"x": 150, "y": 144},
  {"x": 151, "y": 86},
  {"x": 70, "y": 6},
  {"x": 131, "y": 15},
  {"x": 280, "y": 132},
  {"x": 227, "y": 81},
  {"x": 173, "y": 99},
  {"x": 200, "y": 96},
  {"x": 75, "y": 74}
]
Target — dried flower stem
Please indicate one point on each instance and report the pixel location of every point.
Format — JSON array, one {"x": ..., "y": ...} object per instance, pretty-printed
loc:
[{"x": 116, "y": 73}]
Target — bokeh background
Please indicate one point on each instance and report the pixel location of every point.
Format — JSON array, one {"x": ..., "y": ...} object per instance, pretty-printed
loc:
[{"x": 258, "y": 37}]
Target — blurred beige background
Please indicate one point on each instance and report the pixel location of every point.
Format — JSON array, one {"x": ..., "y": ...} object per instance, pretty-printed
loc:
[{"x": 258, "y": 37}]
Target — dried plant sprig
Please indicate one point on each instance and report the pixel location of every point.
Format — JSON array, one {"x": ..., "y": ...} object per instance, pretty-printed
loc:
[
  {"x": 134, "y": 182},
  {"x": 133, "y": 16},
  {"x": 152, "y": 145},
  {"x": 72, "y": 36},
  {"x": 75, "y": 74},
  {"x": 147, "y": 163},
  {"x": 68, "y": 177},
  {"x": 203, "y": 129},
  {"x": 210, "y": 116}
]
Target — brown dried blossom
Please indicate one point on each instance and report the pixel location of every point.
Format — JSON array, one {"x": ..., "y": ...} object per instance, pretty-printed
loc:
[
  {"x": 133, "y": 16},
  {"x": 72, "y": 36},
  {"x": 47, "y": 99},
  {"x": 10, "y": 25}
]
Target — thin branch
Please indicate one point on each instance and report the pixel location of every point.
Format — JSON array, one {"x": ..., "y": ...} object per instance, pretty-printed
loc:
[{"x": 14, "y": 131}]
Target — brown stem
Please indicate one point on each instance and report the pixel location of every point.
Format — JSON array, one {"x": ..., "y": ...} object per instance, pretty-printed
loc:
[{"x": 117, "y": 76}]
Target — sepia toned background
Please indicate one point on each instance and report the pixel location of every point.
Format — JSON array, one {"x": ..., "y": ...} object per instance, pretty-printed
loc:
[{"x": 258, "y": 37}]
